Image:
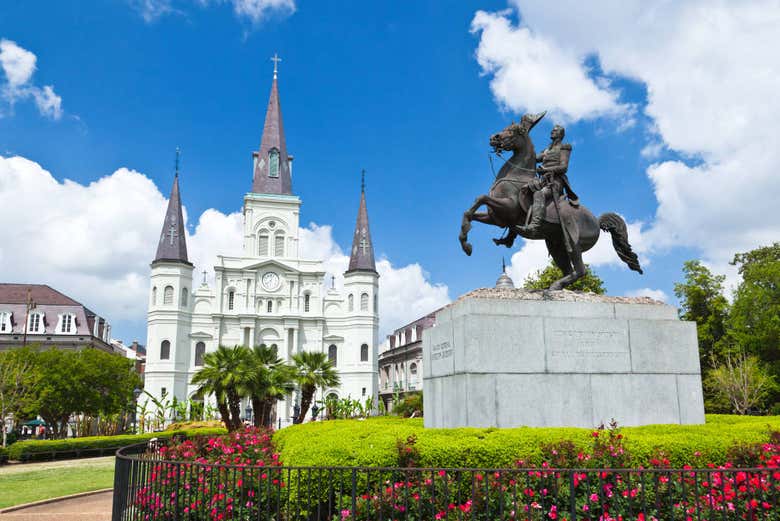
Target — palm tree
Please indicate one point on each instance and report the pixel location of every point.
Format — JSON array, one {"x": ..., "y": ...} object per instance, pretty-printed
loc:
[
  {"x": 223, "y": 375},
  {"x": 268, "y": 381},
  {"x": 314, "y": 370}
]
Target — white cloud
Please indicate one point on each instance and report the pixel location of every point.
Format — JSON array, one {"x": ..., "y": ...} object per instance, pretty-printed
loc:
[
  {"x": 95, "y": 242},
  {"x": 254, "y": 11},
  {"x": 18, "y": 66},
  {"x": 656, "y": 294},
  {"x": 711, "y": 78}
]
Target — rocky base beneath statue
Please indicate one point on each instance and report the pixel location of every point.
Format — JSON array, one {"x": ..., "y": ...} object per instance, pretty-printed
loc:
[{"x": 510, "y": 358}]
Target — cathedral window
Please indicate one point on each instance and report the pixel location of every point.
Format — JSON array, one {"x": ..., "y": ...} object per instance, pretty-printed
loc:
[
  {"x": 231, "y": 299},
  {"x": 279, "y": 245},
  {"x": 364, "y": 302},
  {"x": 333, "y": 355},
  {"x": 364, "y": 353},
  {"x": 35, "y": 323},
  {"x": 154, "y": 296},
  {"x": 184, "y": 296},
  {"x": 306, "y": 302},
  {"x": 273, "y": 163},
  {"x": 351, "y": 300},
  {"x": 200, "y": 352},
  {"x": 270, "y": 306},
  {"x": 262, "y": 248},
  {"x": 168, "y": 295},
  {"x": 165, "y": 350},
  {"x": 5, "y": 322}
]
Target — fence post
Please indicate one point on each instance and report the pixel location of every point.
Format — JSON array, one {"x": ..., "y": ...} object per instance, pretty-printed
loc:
[
  {"x": 354, "y": 492},
  {"x": 120, "y": 489},
  {"x": 572, "y": 496}
]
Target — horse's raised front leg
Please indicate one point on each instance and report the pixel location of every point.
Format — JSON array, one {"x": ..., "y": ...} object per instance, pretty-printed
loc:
[{"x": 465, "y": 225}]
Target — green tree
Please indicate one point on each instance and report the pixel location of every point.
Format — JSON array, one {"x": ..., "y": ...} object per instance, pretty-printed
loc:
[
  {"x": 17, "y": 382},
  {"x": 542, "y": 279},
  {"x": 268, "y": 380},
  {"x": 224, "y": 374},
  {"x": 313, "y": 370},
  {"x": 702, "y": 301},
  {"x": 754, "y": 322},
  {"x": 742, "y": 382}
]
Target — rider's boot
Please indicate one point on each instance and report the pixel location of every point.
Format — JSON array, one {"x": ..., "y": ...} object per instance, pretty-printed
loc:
[{"x": 534, "y": 228}]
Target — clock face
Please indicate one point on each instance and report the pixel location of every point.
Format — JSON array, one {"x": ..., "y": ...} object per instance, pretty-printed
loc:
[{"x": 270, "y": 281}]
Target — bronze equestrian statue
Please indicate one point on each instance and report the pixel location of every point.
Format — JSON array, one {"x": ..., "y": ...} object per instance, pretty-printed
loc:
[{"x": 539, "y": 203}]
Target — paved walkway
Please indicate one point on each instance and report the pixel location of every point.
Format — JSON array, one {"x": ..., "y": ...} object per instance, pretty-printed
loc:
[
  {"x": 95, "y": 507},
  {"x": 14, "y": 468}
]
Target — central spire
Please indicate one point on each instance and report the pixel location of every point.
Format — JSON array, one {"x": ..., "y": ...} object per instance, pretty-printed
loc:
[{"x": 272, "y": 173}]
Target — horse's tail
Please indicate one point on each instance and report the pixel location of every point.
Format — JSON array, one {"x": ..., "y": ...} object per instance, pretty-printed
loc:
[{"x": 616, "y": 226}]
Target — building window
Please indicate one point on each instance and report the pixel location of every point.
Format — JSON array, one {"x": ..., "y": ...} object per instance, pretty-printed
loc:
[
  {"x": 154, "y": 296},
  {"x": 231, "y": 299},
  {"x": 413, "y": 369},
  {"x": 67, "y": 324},
  {"x": 306, "y": 302},
  {"x": 262, "y": 248},
  {"x": 332, "y": 355},
  {"x": 163, "y": 392},
  {"x": 351, "y": 300},
  {"x": 273, "y": 163},
  {"x": 364, "y": 353},
  {"x": 165, "y": 350},
  {"x": 279, "y": 245},
  {"x": 270, "y": 306},
  {"x": 364, "y": 391},
  {"x": 5, "y": 322},
  {"x": 364, "y": 302},
  {"x": 35, "y": 323},
  {"x": 419, "y": 332},
  {"x": 200, "y": 351},
  {"x": 184, "y": 296},
  {"x": 168, "y": 295}
]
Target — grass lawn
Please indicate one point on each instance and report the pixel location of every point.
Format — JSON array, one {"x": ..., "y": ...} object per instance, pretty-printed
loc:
[{"x": 43, "y": 481}]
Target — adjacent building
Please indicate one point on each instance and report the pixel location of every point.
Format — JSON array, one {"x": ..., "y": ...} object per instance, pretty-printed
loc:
[
  {"x": 36, "y": 314},
  {"x": 269, "y": 294},
  {"x": 400, "y": 364}
]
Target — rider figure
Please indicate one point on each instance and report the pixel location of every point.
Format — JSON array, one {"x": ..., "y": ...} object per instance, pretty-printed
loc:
[{"x": 552, "y": 180}]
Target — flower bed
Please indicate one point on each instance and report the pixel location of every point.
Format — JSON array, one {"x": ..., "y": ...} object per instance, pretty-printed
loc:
[{"x": 240, "y": 477}]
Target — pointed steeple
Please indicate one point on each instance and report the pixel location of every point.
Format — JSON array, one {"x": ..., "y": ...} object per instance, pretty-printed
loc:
[
  {"x": 362, "y": 255},
  {"x": 272, "y": 173},
  {"x": 172, "y": 245}
]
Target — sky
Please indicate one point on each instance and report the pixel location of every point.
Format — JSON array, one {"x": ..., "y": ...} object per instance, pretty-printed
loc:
[{"x": 669, "y": 106}]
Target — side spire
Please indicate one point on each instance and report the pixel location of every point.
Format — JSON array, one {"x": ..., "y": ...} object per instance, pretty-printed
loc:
[
  {"x": 173, "y": 245},
  {"x": 362, "y": 255},
  {"x": 272, "y": 173}
]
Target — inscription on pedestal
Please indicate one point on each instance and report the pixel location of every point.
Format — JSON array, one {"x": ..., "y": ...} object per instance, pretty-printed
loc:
[
  {"x": 587, "y": 346},
  {"x": 442, "y": 350}
]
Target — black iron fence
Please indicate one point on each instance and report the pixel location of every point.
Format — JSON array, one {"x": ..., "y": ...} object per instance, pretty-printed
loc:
[{"x": 148, "y": 488}]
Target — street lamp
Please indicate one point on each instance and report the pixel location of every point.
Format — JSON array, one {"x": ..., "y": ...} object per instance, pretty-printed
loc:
[
  {"x": 314, "y": 411},
  {"x": 248, "y": 412},
  {"x": 136, "y": 393}
]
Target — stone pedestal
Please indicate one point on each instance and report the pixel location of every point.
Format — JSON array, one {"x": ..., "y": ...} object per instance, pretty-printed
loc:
[{"x": 510, "y": 358}]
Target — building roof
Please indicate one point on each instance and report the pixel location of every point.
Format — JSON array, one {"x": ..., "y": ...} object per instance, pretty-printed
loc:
[
  {"x": 362, "y": 255},
  {"x": 173, "y": 245},
  {"x": 38, "y": 293},
  {"x": 273, "y": 139}
]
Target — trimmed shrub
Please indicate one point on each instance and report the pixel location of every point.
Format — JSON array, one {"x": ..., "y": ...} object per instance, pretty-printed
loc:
[
  {"x": 3, "y": 455},
  {"x": 373, "y": 442},
  {"x": 91, "y": 446},
  {"x": 186, "y": 426}
]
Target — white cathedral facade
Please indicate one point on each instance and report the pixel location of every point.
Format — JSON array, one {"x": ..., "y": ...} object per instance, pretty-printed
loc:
[{"x": 268, "y": 295}]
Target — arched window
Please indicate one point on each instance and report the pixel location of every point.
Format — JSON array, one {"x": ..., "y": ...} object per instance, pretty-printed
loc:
[
  {"x": 306, "y": 302},
  {"x": 273, "y": 163},
  {"x": 184, "y": 295},
  {"x": 165, "y": 350},
  {"x": 332, "y": 354},
  {"x": 279, "y": 245},
  {"x": 168, "y": 295},
  {"x": 413, "y": 369},
  {"x": 154, "y": 296},
  {"x": 351, "y": 300},
  {"x": 364, "y": 353},
  {"x": 262, "y": 244},
  {"x": 270, "y": 306},
  {"x": 231, "y": 299},
  {"x": 364, "y": 302},
  {"x": 200, "y": 351}
]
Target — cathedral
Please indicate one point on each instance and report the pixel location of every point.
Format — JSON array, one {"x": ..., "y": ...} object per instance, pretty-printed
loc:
[{"x": 268, "y": 295}]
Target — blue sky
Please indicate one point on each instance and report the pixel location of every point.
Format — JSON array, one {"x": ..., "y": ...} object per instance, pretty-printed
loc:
[{"x": 409, "y": 92}]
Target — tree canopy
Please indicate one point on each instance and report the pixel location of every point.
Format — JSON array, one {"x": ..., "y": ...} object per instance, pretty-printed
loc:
[{"x": 542, "y": 279}]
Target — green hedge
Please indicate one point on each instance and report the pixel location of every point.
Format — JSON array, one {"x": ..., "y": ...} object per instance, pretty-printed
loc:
[
  {"x": 91, "y": 445},
  {"x": 372, "y": 442},
  {"x": 3, "y": 455}
]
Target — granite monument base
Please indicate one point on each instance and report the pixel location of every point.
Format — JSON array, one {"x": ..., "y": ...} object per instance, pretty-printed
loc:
[{"x": 510, "y": 358}]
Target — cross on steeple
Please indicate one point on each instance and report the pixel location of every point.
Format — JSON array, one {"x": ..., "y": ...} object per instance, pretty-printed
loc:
[
  {"x": 363, "y": 245},
  {"x": 172, "y": 232},
  {"x": 275, "y": 58}
]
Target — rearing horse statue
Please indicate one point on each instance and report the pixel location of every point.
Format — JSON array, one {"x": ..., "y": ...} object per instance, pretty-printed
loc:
[{"x": 567, "y": 230}]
